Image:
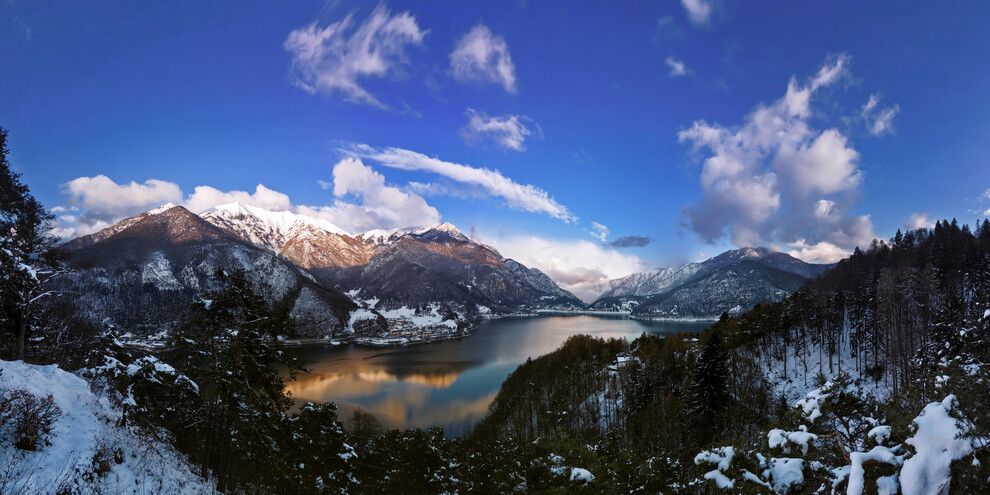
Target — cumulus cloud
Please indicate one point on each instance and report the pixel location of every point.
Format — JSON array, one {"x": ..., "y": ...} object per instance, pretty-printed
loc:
[
  {"x": 361, "y": 201},
  {"x": 205, "y": 197},
  {"x": 677, "y": 67},
  {"x": 482, "y": 56},
  {"x": 879, "y": 121},
  {"x": 698, "y": 11},
  {"x": 333, "y": 59},
  {"x": 631, "y": 241},
  {"x": 775, "y": 179},
  {"x": 523, "y": 197},
  {"x": 823, "y": 252},
  {"x": 582, "y": 267},
  {"x": 100, "y": 202},
  {"x": 919, "y": 221},
  {"x": 598, "y": 231},
  {"x": 380, "y": 206},
  {"x": 507, "y": 131}
]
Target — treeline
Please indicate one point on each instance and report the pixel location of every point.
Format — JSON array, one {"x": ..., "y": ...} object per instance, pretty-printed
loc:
[
  {"x": 656, "y": 396},
  {"x": 888, "y": 313}
]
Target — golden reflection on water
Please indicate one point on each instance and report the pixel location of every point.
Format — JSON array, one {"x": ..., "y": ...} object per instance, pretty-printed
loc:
[
  {"x": 449, "y": 384},
  {"x": 325, "y": 386}
]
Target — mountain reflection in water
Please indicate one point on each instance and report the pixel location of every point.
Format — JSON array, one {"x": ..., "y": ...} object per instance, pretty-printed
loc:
[{"x": 448, "y": 384}]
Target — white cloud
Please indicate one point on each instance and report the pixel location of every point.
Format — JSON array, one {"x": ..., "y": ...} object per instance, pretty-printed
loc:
[
  {"x": 205, "y": 197},
  {"x": 598, "y": 231},
  {"x": 517, "y": 196},
  {"x": 879, "y": 121},
  {"x": 381, "y": 206},
  {"x": 582, "y": 267},
  {"x": 482, "y": 56},
  {"x": 919, "y": 221},
  {"x": 333, "y": 59},
  {"x": 103, "y": 202},
  {"x": 362, "y": 201},
  {"x": 824, "y": 165},
  {"x": 776, "y": 179},
  {"x": 677, "y": 67},
  {"x": 508, "y": 131},
  {"x": 821, "y": 252},
  {"x": 698, "y": 11}
]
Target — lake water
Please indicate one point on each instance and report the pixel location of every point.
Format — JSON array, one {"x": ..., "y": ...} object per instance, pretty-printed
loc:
[{"x": 448, "y": 384}]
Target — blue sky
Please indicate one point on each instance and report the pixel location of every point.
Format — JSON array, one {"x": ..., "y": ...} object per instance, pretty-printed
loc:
[{"x": 701, "y": 125}]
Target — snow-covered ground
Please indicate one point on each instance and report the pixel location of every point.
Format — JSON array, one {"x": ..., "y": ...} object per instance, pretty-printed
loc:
[{"x": 84, "y": 434}]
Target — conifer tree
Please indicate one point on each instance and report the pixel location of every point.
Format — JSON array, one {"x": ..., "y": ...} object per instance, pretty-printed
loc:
[
  {"x": 229, "y": 347},
  {"x": 710, "y": 387},
  {"x": 28, "y": 255}
]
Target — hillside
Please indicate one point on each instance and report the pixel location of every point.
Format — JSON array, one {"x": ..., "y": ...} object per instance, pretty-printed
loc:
[
  {"x": 732, "y": 282},
  {"x": 141, "y": 275},
  {"x": 397, "y": 268}
]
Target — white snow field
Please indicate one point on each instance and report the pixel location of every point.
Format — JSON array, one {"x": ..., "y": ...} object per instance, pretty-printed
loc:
[{"x": 85, "y": 433}]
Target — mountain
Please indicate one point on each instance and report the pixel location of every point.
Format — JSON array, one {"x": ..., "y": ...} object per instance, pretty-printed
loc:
[
  {"x": 733, "y": 282},
  {"x": 142, "y": 273},
  {"x": 396, "y": 268}
]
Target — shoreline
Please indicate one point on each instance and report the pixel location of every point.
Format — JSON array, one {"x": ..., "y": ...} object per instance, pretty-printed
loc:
[{"x": 400, "y": 341}]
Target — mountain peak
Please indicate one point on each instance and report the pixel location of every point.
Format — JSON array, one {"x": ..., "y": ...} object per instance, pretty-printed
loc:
[
  {"x": 443, "y": 229},
  {"x": 161, "y": 209},
  {"x": 263, "y": 227}
]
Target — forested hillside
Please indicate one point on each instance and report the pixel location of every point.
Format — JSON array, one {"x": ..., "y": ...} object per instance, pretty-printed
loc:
[{"x": 870, "y": 379}]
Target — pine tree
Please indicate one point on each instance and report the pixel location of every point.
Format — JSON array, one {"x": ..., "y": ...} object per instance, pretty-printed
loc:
[
  {"x": 28, "y": 253},
  {"x": 710, "y": 387},
  {"x": 229, "y": 347}
]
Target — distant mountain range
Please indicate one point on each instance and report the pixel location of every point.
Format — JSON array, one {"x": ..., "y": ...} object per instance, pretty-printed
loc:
[
  {"x": 731, "y": 282},
  {"x": 142, "y": 272}
]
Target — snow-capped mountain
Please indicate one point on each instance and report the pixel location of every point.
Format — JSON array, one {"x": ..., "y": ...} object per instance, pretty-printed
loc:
[
  {"x": 142, "y": 273},
  {"x": 264, "y": 228},
  {"x": 398, "y": 267},
  {"x": 733, "y": 282}
]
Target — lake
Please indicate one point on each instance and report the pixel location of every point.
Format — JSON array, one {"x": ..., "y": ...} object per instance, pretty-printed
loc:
[{"x": 448, "y": 384}]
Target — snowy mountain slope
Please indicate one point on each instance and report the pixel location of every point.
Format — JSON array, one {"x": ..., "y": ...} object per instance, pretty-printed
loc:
[
  {"x": 734, "y": 289},
  {"x": 86, "y": 438},
  {"x": 442, "y": 265},
  {"x": 142, "y": 277},
  {"x": 400, "y": 267},
  {"x": 733, "y": 281},
  {"x": 264, "y": 228}
]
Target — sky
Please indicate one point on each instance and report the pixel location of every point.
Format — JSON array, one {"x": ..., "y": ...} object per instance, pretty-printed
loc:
[{"x": 588, "y": 140}]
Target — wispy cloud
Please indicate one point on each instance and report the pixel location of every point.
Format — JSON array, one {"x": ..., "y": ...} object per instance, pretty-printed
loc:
[
  {"x": 333, "y": 59},
  {"x": 698, "y": 11},
  {"x": 523, "y": 197},
  {"x": 677, "y": 67},
  {"x": 879, "y": 121},
  {"x": 483, "y": 56},
  {"x": 507, "y": 131},
  {"x": 598, "y": 231}
]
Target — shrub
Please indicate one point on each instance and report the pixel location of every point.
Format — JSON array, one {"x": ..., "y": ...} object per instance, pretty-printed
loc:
[{"x": 26, "y": 419}]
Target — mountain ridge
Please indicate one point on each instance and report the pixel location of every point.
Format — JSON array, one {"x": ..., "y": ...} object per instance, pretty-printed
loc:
[
  {"x": 160, "y": 259},
  {"x": 699, "y": 290}
]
